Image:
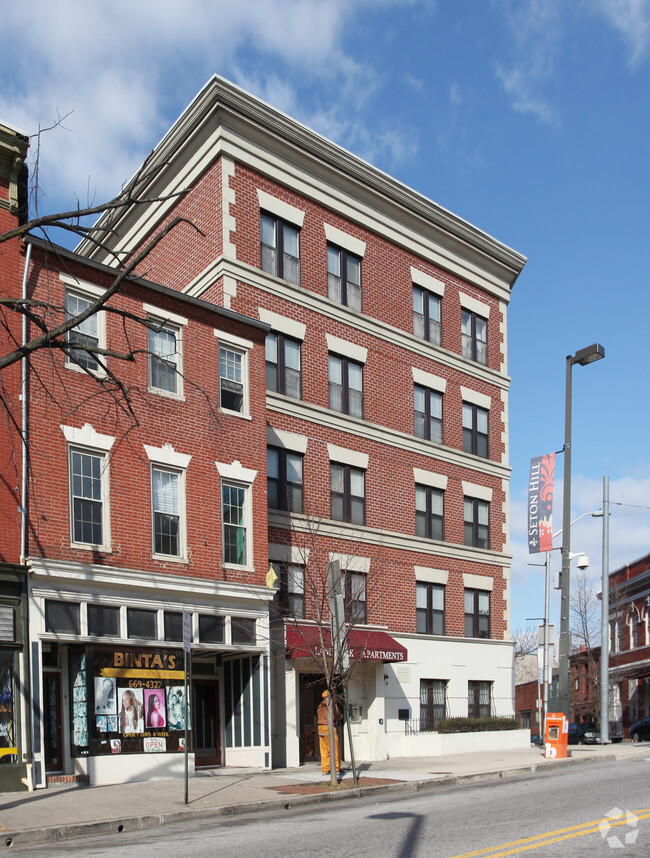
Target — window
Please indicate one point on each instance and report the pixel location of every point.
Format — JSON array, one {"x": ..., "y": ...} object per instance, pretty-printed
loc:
[
  {"x": 477, "y": 523},
  {"x": 292, "y": 590},
  {"x": 428, "y": 414},
  {"x": 426, "y": 316},
  {"x": 283, "y": 365},
  {"x": 474, "y": 336},
  {"x": 479, "y": 699},
  {"x": 234, "y": 512},
  {"x": 232, "y": 372},
  {"x": 284, "y": 479},
  {"x": 173, "y": 625},
  {"x": 355, "y": 598},
  {"x": 348, "y": 493},
  {"x": 164, "y": 359},
  {"x": 433, "y": 703},
  {"x": 346, "y": 386},
  {"x": 429, "y": 512},
  {"x": 477, "y": 613},
  {"x": 62, "y": 618},
  {"x": 103, "y": 620},
  {"x": 86, "y": 335},
  {"x": 280, "y": 248},
  {"x": 141, "y": 623},
  {"x": 343, "y": 277},
  {"x": 430, "y": 609},
  {"x": 211, "y": 629},
  {"x": 475, "y": 430},
  {"x": 242, "y": 631},
  {"x": 166, "y": 502},
  {"x": 87, "y": 497}
]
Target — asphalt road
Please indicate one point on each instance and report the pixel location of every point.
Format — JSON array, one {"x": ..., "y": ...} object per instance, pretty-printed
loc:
[{"x": 554, "y": 815}]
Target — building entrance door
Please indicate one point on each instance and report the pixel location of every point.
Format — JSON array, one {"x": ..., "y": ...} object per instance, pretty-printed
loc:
[
  {"x": 206, "y": 726},
  {"x": 52, "y": 721}
]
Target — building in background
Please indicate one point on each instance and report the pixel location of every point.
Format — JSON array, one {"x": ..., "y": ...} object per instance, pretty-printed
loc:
[{"x": 386, "y": 408}]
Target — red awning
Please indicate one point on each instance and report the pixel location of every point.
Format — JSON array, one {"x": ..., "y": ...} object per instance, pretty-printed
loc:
[{"x": 304, "y": 642}]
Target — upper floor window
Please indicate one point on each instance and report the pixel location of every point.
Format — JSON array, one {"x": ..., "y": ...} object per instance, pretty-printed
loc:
[
  {"x": 475, "y": 430},
  {"x": 292, "y": 590},
  {"x": 430, "y": 608},
  {"x": 168, "y": 506},
  {"x": 232, "y": 379},
  {"x": 474, "y": 336},
  {"x": 283, "y": 365},
  {"x": 280, "y": 248},
  {"x": 355, "y": 598},
  {"x": 427, "y": 315},
  {"x": 343, "y": 277},
  {"x": 477, "y": 613},
  {"x": 477, "y": 522},
  {"x": 347, "y": 493},
  {"x": 86, "y": 336},
  {"x": 141, "y": 623},
  {"x": 429, "y": 512},
  {"x": 88, "y": 496},
  {"x": 345, "y": 386},
  {"x": 284, "y": 479},
  {"x": 235, "y": 523},
  {"x": 164, "y": 359},
  {"x": 428, "y": 414}
]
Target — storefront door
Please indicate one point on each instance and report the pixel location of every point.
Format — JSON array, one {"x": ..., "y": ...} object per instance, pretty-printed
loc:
[
  {"x": 207, "y": 730},
  {"x": 52, "y": 721}
]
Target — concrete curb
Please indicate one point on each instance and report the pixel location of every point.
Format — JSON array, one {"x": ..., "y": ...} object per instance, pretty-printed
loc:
[{"x": 35, "y": 836}]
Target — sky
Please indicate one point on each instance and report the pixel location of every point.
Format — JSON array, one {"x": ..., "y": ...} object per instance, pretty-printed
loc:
[{"x": 528, "y": 118}]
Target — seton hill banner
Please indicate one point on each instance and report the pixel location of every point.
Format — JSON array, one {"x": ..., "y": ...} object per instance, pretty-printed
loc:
[{"x": 540, "y": 503}]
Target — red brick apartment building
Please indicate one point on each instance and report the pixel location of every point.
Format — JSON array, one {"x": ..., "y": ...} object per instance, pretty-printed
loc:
[
  {"x": 140, "y": 502},
  {"x": 386, "y": 406}
]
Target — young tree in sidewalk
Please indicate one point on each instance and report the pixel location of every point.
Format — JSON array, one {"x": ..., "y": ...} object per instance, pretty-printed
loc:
[{"x": 585, "y": 631}]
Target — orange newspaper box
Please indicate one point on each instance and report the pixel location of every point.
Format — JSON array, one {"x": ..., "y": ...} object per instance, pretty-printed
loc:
[{"x": 557, "y": 736}]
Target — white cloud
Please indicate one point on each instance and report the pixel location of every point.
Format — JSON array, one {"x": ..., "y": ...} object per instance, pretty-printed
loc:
[{"x": 631, "y": 19}]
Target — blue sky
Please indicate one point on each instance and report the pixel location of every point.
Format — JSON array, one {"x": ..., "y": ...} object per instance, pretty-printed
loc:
[{"x": 528, "y": 118}]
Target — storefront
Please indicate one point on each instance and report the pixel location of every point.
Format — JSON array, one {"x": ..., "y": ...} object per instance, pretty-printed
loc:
[{"x": 14, "y": 675}]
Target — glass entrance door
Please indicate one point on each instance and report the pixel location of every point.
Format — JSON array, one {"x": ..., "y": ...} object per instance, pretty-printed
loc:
[
  {"x": 207, "y": 730},
  {"x": 52, "y": 721}
]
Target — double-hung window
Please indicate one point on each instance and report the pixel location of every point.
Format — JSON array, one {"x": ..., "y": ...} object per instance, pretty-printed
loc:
[
  {"x": 164, "y": 359},
  {"x": 284, "y": 479},
  {"x": 429, "y": 512},
  {"x": 280, "y": 248},
  {"x": 430, "y": 608},
  {"x": 166, "y": 502},
  {"x": 292, "y": 590},
  {"x": 345, "y": 385},
  {"x": 428, "y": 414},
  {"x": 477, "y": 613},
  {"x": 433, "y": 703},
  {"x": 479, "y": 699},
  {"x": 427, "y": 315},
  {"x": 474, "y": 336},
  {"x": 235, "y": 523},
  {"x": 348, "y": 493},
  {"x": 477, "y": 522},
  {"x": 355, "y": 598},
  {"x": 343, "y": 277},
  {"x": 85, "y": 337},
  {"x": 233, "y": 373},
  {"x": 475, "y": 429},
  {"x": 87, "y": 498},
  {"x": 283, "y": 365}
]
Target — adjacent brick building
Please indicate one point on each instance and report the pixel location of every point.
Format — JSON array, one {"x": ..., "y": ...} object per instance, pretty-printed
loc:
[{"x": 386, "y": 406}]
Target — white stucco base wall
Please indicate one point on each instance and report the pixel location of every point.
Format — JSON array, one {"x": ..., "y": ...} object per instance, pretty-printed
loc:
[
  {"x": 439, "y": 744},
  {"x": 128, "y": 768}
]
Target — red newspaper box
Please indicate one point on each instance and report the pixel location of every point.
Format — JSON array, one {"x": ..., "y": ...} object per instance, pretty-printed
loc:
[{"x": 557, "y": 736}]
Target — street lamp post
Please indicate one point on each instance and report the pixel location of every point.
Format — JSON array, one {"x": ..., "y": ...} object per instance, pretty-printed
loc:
[{"x": 582, "y": 357}]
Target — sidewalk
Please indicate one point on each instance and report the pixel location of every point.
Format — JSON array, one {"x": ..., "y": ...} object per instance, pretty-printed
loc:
[{"x": 63, "y": 812}]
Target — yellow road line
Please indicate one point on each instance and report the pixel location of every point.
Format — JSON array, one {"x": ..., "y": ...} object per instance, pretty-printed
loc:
[{"x": 550, "y": 837}]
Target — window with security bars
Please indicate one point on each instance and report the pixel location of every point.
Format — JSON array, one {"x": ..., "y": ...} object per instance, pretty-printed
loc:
[
  {"x": 85, "y": 335},
  {"x": 479, "y": 699},
  {"x": 86, "y": 497},
  {"x": 234, "y": 524},
  {"x": 426, "y": 316},
  {"x": 433, "y": 703},
  {"x": 343, "y": 277},
  {"x": 283, "y": 365},
  {"x": 280, "y": 248},
  {"x": 163, "y": 359},
  {"x": 166, "y": 512}
]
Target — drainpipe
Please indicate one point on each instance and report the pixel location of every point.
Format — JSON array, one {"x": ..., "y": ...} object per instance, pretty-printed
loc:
[{"x": 24, "y": 367}]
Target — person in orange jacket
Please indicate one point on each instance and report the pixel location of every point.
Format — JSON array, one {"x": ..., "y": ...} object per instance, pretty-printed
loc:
[{"x": 323, "y": 734}]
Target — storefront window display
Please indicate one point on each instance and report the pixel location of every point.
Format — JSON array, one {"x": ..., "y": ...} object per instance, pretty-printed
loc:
[
  {"x": 127, "y": 700},
  {"x": 7, "y": 715}
]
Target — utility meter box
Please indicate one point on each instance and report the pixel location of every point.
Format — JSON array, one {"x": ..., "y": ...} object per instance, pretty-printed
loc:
[{"x": 557, "y": 736}]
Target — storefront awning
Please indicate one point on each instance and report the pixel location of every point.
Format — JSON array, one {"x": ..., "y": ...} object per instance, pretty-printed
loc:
[{"x": 304, "y": 641}]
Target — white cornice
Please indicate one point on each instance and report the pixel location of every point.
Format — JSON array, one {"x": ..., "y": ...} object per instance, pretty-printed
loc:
[{"x": 224, "y": 119}]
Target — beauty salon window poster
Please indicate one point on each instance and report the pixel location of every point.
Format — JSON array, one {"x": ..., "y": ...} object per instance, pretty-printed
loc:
[{"x": 127, "y": 700}]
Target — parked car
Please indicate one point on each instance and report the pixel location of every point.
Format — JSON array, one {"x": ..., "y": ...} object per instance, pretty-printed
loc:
[
  {"x": 583, "y": 734},
  {"x": 641, "y": 730}
]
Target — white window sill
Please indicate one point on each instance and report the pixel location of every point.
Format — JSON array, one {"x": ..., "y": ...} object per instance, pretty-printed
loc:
[
  {"x": 170, "y": 558},
  {"x": 235, "y": 413},
  {"x": 179, "y": 397},
  {"x": 90, "y": 546},
  {"x": 237, "y": 567}
]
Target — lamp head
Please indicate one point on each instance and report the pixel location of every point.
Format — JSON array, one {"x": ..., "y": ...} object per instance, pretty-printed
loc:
[{"x": 589, "y": 354}]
